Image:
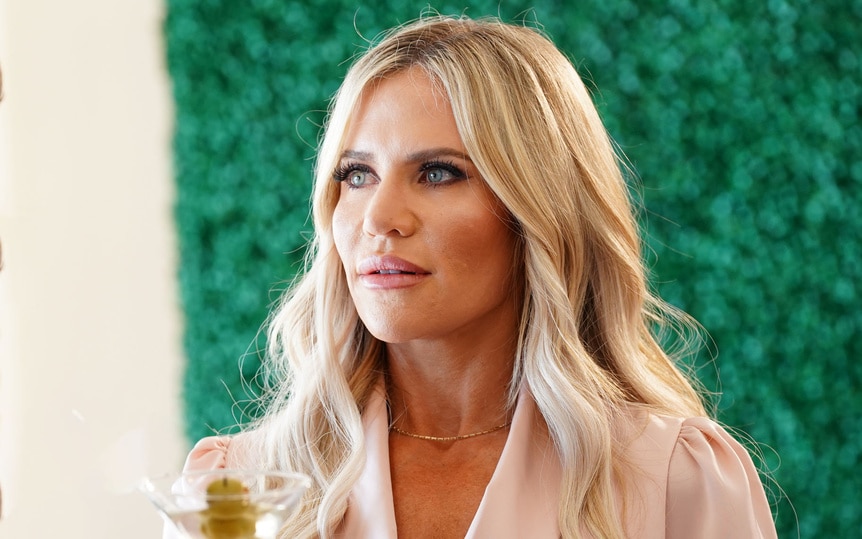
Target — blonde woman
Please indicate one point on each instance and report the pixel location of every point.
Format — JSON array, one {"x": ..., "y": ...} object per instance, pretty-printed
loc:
[{"x": 469, "y": 352}]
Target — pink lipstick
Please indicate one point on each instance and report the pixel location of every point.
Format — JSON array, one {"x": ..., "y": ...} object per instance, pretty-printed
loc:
[{"x": 387, "y": 272}]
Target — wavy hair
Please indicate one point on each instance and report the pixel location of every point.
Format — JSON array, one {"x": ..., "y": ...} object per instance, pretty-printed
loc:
[{"x": 587, "y": 344}]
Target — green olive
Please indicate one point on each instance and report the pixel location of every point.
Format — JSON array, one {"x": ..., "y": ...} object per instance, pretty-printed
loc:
[
  {"x": 236, "y": 493},
  {"x": 239, "y": 527},
  {"x": 232, "y": 518}
]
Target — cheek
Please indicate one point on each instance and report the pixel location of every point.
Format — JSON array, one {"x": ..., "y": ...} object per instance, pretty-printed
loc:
[
  {"x": 341, "y": 230},
  {"x": 500, "y": 249},
  {"x": 484, "y": 245}
]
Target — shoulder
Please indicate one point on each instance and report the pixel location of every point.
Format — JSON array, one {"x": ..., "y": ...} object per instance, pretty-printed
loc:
[
  {"x": 705, "y": 478},
  {"x": 705, "y": 448},
  {"x": 713, "y": 483},
  {"x": 678, "y": 447},
  {"x": 218, "y": 452},
  {"x": 706, "y": 455},
  {"x": 209, "y": 453}
]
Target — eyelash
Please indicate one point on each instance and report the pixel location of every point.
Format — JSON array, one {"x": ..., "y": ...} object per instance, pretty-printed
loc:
[
  {"x": 342, "y": 172},
  {"x": 448, "y": 166}
]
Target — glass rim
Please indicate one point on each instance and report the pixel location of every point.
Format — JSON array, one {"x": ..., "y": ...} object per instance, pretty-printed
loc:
[{"x": 287, "y": 482}]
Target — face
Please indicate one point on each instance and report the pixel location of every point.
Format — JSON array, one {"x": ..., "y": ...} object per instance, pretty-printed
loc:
[{"x": 423, "y": 240}]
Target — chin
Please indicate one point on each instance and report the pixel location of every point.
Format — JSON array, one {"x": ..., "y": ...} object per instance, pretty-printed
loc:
[
  {"x": 390, "y": 336},
  {"x": 393, "y": 333}
]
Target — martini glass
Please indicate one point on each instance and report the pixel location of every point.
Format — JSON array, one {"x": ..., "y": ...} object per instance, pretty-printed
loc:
[{"x": 227, "y": 504}]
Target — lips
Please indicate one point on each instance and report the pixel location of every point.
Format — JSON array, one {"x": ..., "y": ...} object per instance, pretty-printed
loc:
[
  {"x": 388, "y": 272},
  {"x": 389, "y": 265}
]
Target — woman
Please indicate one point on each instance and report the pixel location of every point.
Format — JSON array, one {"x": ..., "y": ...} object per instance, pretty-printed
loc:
[{"x": 470, "y": 351}]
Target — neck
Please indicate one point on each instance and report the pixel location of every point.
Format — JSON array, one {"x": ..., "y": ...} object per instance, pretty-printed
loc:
[{"x": 440, "y": 391}]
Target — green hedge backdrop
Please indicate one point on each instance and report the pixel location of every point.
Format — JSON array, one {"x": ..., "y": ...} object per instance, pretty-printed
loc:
[{"x": 741, "y": 118}]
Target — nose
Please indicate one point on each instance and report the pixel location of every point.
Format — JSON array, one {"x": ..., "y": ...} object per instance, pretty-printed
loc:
[{"x": 390, "y": 210}]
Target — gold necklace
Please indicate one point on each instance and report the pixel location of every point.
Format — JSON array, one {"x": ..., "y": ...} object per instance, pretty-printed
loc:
[{"x": 396, "y": 430}]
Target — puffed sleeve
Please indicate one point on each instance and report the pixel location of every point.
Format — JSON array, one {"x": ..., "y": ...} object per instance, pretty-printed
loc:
[
  {"x": 208, "y": 454},
  {"x": 713, "y": 489}
]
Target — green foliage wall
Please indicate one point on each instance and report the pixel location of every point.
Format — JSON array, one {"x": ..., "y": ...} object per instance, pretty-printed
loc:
[{"x": 741, "y": 118}]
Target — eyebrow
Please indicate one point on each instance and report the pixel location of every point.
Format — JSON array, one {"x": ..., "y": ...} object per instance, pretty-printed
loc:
[{"x": 415, "y": 157}]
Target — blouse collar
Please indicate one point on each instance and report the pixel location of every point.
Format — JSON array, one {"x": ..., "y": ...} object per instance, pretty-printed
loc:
[{"x": 521, "y": 499}]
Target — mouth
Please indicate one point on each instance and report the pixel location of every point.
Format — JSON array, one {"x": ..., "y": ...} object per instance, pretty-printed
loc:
[
  {"x": 389, "y": 265},
  {"x": 392, "y": 272}
]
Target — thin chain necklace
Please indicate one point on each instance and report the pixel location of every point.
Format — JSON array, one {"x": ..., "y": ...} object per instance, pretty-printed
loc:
[{"x": 396, "y": 430}]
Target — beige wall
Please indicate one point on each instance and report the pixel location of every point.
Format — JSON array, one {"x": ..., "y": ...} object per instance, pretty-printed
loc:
[{"x": 89, "y": 320}]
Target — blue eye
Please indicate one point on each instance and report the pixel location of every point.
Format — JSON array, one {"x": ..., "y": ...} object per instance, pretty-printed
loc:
[
  {"x": 353, "y": 174},
  {"x": 356, "y": 178},
  {"x": 437, "y": 175}
]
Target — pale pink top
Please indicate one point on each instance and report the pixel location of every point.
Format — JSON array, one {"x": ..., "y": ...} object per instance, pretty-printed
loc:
[{"x": 695, "y": 481}]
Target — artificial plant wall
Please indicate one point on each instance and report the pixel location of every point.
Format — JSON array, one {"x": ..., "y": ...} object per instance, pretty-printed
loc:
[{"x": 741, "y": 119}]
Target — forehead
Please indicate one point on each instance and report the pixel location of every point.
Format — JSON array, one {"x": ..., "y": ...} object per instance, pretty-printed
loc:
[
  {"x": 413, "y": 80},
  {"x": 406, "y": 110}
]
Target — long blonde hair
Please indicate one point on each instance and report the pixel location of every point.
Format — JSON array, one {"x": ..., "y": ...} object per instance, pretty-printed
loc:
[{"x": 587, "y": 348}]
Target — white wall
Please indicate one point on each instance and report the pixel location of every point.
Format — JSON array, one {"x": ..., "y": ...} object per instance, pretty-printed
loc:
[{"x": 89, "y": 320}]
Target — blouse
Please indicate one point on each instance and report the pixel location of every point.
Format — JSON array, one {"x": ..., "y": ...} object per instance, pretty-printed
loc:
[{"x": 693, "y": 480}]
